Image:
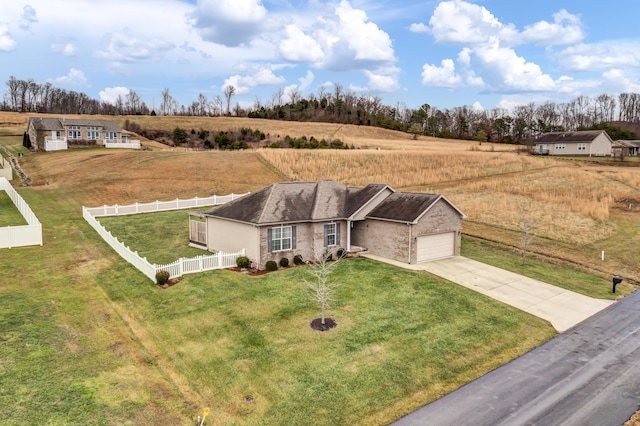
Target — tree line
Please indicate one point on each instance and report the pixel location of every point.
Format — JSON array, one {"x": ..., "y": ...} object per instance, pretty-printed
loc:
[{"x": 517, "y": 125}]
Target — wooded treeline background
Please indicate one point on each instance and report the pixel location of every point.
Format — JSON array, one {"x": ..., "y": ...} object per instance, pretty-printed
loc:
[{"x": 619, "y": 115}]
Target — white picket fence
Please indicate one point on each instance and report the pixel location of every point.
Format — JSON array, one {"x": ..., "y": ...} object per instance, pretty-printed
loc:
[
  {"x": 177, "y": 268},
  {"x": 133, "y": 144},
  {"x": 55, "y": 144},
  {"x": 20, "y": 236}
]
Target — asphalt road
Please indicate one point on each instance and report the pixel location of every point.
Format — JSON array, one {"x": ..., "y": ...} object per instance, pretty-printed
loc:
[{"x": 588, "y": 375}]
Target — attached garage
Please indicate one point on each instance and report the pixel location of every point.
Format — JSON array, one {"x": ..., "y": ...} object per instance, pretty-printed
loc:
[{"x": 438, "y": 246}]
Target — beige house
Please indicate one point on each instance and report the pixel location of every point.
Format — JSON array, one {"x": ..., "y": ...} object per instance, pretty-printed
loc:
[
  {"x": 312, "y": 218},
  {"x": 589, "y": 143},
  {"x": 51, "y": 134}
]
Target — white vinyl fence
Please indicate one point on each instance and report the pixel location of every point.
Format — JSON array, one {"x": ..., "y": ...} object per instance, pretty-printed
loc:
[
  {"x": 20, "y": 236},
  {"x": 179, "y": 267},
  {"x": 133, "y": 144},
  {"x": 55, "y": 145}
]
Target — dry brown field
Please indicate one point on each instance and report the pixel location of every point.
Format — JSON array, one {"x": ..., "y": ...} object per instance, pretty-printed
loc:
[{"x": 579, "y": 207}]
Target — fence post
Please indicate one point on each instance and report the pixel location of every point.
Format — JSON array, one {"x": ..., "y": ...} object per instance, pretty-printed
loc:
[
  {"x": 10, "y": 238},
  {"x": 219, "y": 259},
  {"x": 136, "y": 207},
  {"x": 116, "y": 206},
  {"x": 201, "y": 258}
]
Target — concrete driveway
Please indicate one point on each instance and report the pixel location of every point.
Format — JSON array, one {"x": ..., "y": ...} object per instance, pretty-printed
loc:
[{"x": 562, "y": 308}]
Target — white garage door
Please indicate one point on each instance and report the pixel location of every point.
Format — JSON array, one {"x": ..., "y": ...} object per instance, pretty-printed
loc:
[{"x": 437, "y": 246}]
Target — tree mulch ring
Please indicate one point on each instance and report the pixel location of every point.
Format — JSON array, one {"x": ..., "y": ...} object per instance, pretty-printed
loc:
[{"x": 329, "y": 323}]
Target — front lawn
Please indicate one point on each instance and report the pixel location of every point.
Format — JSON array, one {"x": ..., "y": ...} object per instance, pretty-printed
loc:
[
  {"x": 9, "y": 214},
  {"x": 403, "y": 339}
]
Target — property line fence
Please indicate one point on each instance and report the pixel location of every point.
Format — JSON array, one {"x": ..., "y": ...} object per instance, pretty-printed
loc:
[
  {"x": 24, "y": 235},
  {"x": 177, "y": 268}
]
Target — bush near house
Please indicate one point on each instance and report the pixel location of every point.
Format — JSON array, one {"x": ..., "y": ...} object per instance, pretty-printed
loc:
[{"x": 271, "y": 266}]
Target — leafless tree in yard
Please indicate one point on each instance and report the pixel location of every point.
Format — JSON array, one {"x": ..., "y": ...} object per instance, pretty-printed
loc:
[
  {"x": 528, "y": 224},
  {"x": 321, "y": 288}
]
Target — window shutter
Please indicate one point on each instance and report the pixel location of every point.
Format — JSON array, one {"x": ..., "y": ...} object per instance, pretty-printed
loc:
[
  {"x": 269, "y": 244},
  {"x": 326, "y": 235},
  {"x": 337, "y": 233},
  {"x": 293, "y": 237}
]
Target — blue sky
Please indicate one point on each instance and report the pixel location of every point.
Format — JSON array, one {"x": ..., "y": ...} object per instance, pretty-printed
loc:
[{"x": 485, "y": 53}]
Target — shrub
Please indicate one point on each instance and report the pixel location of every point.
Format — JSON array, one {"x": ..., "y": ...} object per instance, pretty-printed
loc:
[
  {"x": 284, "y": 262},
  {"x": 162, "y": 277},
  {"x": 297, "y": 260},
  {"x": 341, "y": 253},
  {"x": 271, "y": 265},
  {"x": 243, "y": 262}
]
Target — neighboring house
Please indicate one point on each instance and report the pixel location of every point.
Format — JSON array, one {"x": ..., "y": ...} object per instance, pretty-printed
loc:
[
  {"x": 312, "y": 218},
  {"x": 589, "y": 143},
  {"x": 50, "y": 134},
  {"x": 626, "y": 148}
]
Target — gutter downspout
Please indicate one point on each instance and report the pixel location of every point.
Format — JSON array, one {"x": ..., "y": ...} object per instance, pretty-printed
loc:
[
  {"x": 410, "y": 240},
  {"x": 348, "y": 236}
]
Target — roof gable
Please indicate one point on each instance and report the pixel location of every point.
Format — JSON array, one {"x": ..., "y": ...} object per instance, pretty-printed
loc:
[{"x": 408, "y": 207}]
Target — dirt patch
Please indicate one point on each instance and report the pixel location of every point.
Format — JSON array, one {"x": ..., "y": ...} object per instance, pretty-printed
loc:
[{"x": 171, "y": 283}]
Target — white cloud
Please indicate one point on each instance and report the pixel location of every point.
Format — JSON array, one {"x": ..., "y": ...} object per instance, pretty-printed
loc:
[
  {"x": 28, "y": 18},
  {"x": 7, "y": 44},
  {"x": 507, "y": 71},
  {"x": 67, "y": 49},
  {"x": 110, "y": 94},
  {"x": 419, "y": 28},
  {"x": 460, "y": 22},
  {"x": 445, "y": 75},
  {"x": 477, "y": 107},
  {"x": 565, "y": 29},
  {"x": 299, "y": 47},
  {"x": 75, "y": 78},
  {"x": 229, "y": 22},
  {"x": 305, "y": 82},
  {"x": 244, "y": 83},
  {"x": 619, "y": 80},
  {"x": 342, "y": 40},
  {"x": 127, "y": 48},
  {"x": 383, "y": 80},
  {"x": 441, "y": 76},
  {"x": 600, "y": 56}
]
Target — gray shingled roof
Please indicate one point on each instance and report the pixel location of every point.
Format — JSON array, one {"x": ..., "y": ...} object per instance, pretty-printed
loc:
[
  {"x": 404, "y": 206},
  {"x": 568, "y": 137},
  {"x": 292, "y": 202},
  {"x": 42, "y": 123}
]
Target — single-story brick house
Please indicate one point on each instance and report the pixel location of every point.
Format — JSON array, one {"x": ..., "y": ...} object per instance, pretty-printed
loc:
[
  {"x": 312, "y": 218},
  {"x": 49, "y": 134},
  {"x": 590, "y": 143}
]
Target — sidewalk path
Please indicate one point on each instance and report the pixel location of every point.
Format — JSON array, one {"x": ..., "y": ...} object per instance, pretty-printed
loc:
[{"x": 562, "y": 308}]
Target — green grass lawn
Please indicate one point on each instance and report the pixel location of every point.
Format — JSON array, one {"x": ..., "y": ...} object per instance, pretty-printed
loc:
[
  {"x": 561, "y": 275},
  {"x": 403, "y": 339},
  {"x": 160, "y": 237},
  {"x": 9, "y": 214}
]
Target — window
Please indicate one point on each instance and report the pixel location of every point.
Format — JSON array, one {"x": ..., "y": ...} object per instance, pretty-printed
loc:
[
  {"x": 93, "y": 133},
  {"x": 74, "y": 132},
  {"x": 281, "y": 238},
  {"x": 582, "y": 147},
  {"x": 331, "y": 234},
  {"x": 559, "y": 146},
  {"x": 111, "y": 135}
]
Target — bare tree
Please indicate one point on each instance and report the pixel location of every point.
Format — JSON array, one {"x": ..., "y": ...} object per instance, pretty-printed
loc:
[
  {"x": 321, "y": 289},
  {"x": 229, "y": 91},
  {"x": 527, "y": 227},
  {"x": 167, "y": 101}
]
